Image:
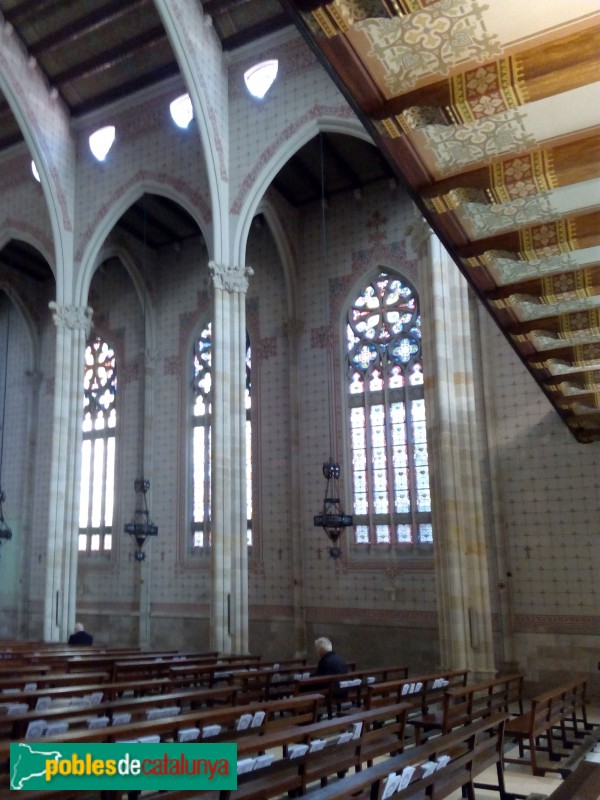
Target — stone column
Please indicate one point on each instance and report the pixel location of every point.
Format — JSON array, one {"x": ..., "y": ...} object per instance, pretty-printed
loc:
[
  {"x": 72, "y": 330},
  {"x": 460, "y": 552},
  {"x": 229, "y": 547},
  {"x": 293, "y": 330}
]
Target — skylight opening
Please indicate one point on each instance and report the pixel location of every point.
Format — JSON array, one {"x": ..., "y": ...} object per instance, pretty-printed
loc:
[
  {"x": 182, "y": 111},
  {"x": 101, "y": 141},
  {"x": 261, "y": 77}
]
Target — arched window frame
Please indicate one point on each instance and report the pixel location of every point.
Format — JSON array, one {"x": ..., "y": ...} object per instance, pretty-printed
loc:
[
  {"x": 396, "y": 526},
  {"x": 98, "y": 448},
  {"x": 201, "y": 410}
]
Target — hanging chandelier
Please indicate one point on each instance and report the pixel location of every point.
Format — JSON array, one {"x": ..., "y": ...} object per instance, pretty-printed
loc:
[
  {"x": 141, "y": 526},
  {"x": 332, "y": 519}
]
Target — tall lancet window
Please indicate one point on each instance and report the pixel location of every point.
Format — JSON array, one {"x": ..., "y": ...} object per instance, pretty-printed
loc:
[
  {"x": 201, "y": 440},
  {"x": 96, "y": 499},
  {"x": 390, "y": 472}
]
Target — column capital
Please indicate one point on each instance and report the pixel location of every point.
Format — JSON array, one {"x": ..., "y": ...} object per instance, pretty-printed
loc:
[
  {"x": 419, "y": 232},
  {"x": 230, "y": 278},
  {"x": 73, "y": 318}
]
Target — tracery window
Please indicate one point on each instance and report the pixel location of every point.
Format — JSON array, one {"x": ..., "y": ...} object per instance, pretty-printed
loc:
[
  {"x": 201, "y": 440},
  {"x": 96, "y": 498},
  {"x": 389, "y": 463}
]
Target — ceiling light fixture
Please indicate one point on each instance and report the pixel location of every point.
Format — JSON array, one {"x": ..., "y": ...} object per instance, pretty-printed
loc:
[
  {"x": 182, "y": 111},
  {"x": 101, "y": 141},
  {"x": 332, "y": 518},
  {"x": 260, "y": 77}
]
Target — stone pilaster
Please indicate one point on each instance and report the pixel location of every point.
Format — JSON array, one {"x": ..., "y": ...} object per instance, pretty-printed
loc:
[
  {"x": 72, "y": 330},
  {"x": 229, "y": 548},
  {"x": 464, "y": 608}
]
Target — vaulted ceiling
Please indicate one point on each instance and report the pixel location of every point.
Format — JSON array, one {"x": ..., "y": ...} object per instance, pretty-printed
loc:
[{"x": 488, "y": 113}]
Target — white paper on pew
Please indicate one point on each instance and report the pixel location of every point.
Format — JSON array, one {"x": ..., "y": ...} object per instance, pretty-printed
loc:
[
  {"x": 418, "y": 687},
  {"x": 154, "y": 713},
  {"x": 94, "y": 723},
  {"x": 188, "y": 734},
  {"x": 275, "y": 667},
  {"x": 96, "y": 697},
  {"x": 126, "y": 741},
  {"x": 428, "y": 768},
  {"x": 56, "y": 728},
  {"x": 264, "y": 760},
  {"x": 297, "y": 750},
  {"x": 243, "y": 722},
  {"x": 370, "y": 679},
  {"x": 79, "y": 701},
  {"x": 345, "y": 737},
  {"x": 210, "y": 730},
  {"x": 436, "y": 684},
  {"x": 405, "y": 688},
  {"x": 306, "y": 674},
  {"x": 128, "y": 693},
  {"x": 12, "y": 691},
  {"x": 30, "y": 687},
  {"x": 350, "y": 684},
  {"x": 245, "y": 765},
  {"x": 16, "y": 708},
  {"x": 406, "y": 776},
  {"x": 444, "y": 682},
  {"x": 593, "y": 756},
  {"x": 391, "y": 785},
  {"x": 442, "y": 761},
  {"x": 36, "y": 727},
  {"x": 357, "y": 729},
  {"x": 412, "y": 688},
  {"x": 257, "y": 719},
  {"x": 121, "y": 718},
  {"x": 316, "y": 744},
  {"x": 153, "y": 738}
]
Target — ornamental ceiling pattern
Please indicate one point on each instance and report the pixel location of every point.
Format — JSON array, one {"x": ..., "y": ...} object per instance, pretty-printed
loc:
[{"x": 490, "y": 114}]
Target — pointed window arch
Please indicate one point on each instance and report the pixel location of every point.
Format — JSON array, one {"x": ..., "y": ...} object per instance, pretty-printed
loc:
[
  {"x": 386, "y": 407},
  {"x": 96, "y": 498},
  {"x": 201, "y": 439}
]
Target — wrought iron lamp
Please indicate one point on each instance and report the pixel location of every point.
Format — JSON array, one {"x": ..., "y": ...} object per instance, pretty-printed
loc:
[
  {"x": 141, "y": 526},
  {"x": 333, "y": 520},
  {"x": 5, "y": 531}
]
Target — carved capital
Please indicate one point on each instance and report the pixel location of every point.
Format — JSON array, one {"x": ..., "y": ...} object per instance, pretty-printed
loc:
[
  {"x": 419, "y": 232},
  {"x": 73, "y": 318},
  {"x": 230, "y": 278}
]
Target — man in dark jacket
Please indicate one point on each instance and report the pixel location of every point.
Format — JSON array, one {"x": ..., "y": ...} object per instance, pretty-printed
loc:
[
  {"x": 329, "y": 662},
  {"x": 80, "y": 636}
]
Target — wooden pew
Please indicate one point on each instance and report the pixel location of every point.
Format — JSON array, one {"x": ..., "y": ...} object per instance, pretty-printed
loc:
[
  {"x": 422, "y": 691},
  {"x": 52, "y": 679},
  {"x": 582, "y": 784},
  {"x": 549, "y": 710},
  {"x": 472, "y": 749},
  {"x": 109, "y": 689},
  {"x": 335, "y": 696},
  {"x": 462, "y": 705},
  {"x": 15, "y": 727}
]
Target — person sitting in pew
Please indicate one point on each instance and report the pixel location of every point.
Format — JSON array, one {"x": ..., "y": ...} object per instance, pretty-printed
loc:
[
  {"x": 80, "y": 636},
  {"x": 329, "y": 661}
]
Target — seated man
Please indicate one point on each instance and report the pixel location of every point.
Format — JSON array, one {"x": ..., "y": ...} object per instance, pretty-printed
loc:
[
  {"x": 329, "y": 662},
  {"x": 80, "y": 636}
]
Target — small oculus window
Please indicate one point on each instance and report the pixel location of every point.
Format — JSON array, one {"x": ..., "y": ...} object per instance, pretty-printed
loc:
[
  {"x": 101, "y": 141},
  {"x": 261, "y": 77},
  {"x": 182, "y": 111}
]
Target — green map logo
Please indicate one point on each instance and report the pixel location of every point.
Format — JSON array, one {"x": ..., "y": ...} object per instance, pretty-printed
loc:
[{"x": 122, "y": 765}]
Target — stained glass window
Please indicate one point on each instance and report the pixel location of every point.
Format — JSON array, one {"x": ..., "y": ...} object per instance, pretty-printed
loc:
[
  {"x": 96, "y": 498},
  {"x": 201, "y": 440},
  {"x": 389, "y": 461}
]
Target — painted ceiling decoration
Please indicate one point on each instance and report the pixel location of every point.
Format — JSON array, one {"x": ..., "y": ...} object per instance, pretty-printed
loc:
[{"x": 490, "y": 115}]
